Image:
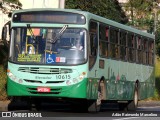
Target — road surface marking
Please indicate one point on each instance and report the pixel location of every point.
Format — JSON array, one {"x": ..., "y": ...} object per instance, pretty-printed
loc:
[{"x": 126, "y": 118}]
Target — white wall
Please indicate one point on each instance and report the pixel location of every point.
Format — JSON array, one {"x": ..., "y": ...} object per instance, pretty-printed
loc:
[
  {"x": 122, "y": 1},
  {"x": 3, "y": 19},
  {"x": 41, "y": 3}
]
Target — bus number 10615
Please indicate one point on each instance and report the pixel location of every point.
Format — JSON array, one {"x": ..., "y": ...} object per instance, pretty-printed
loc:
[{"x": 63, "y": 77}]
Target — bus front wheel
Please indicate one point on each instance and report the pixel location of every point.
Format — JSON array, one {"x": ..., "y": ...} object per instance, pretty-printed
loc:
[{"x": 95, "y": 105}]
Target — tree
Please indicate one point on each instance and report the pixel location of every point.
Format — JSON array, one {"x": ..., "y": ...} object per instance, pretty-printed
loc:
[
  {"x": 106, "y": 8},
  {"x": 8, "y": 6},
  {"x": 140, "y": 13}
]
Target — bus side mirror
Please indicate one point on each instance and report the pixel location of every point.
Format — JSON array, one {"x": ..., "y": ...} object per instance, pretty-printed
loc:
[
  {"x": 9, "y": 14},
  {"x": 4, "y": 33}
]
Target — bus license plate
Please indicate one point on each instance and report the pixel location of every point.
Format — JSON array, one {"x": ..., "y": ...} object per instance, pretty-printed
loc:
[{"x": 43, "y": 89}]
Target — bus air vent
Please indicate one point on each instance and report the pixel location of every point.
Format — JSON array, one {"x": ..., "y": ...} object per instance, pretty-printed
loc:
[
  {"x": 41, "y": 70},
  {"x": 33, "y": 81},
  {"x": 54, "y": 81}
]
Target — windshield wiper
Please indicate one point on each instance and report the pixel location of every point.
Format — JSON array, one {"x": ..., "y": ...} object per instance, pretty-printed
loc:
[
  {"x": 59, "y": 34},
  {"x": 31, "y": 32}
]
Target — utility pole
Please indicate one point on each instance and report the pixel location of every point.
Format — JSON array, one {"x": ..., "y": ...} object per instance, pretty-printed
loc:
[
  {"x": 155, "y": 19},
  {"x": 155, "y": 10},
  {"x": 62, "y": 4}
]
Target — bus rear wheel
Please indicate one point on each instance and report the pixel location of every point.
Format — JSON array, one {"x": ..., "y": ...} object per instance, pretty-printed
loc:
[{"x": 134, "y": 103}]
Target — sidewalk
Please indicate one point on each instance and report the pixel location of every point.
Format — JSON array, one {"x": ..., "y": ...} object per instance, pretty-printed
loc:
[
  {"x": 148, "y": 103},
  {"x": 4, "y": 105}
]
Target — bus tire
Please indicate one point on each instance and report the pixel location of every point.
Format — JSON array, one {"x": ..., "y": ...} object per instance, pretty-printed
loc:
[
  {"x": 79, "y": 105},
  {"x": 95, "y": 105},
  {"x": 122, "y": 106},
  {"x": 38, "y": 105},
  {"x": 134, "y": 103},
  {"x": 34, "y": 105}
]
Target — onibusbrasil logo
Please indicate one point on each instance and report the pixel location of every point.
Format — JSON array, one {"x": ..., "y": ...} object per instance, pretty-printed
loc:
[{"x": 18, "y": 114}]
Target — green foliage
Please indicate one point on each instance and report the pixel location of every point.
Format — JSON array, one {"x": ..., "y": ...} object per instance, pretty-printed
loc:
[
  {"x": 3, "y": 94},
  {"x": 11, "y": 1},
  {"x": 158, "y": 49},
  {"x": 106, "y": 8},
  {"x": 157, "y": 41},
  {"x": 157, "y": 80},
  {"x": 4, "y": 51},
  {"x": 141, "y": 14},
  {"x": 7, "y": 6}
]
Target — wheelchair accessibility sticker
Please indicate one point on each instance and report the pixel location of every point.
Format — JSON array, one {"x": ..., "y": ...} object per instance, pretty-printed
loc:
[{"x": 50, "y": 58}]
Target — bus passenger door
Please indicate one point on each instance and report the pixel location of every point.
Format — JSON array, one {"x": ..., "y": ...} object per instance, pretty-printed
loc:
[
  {"x": 93, "y": 65},
  {"x": 93, "y": 44},
  {"x": 6, "y": 34}
]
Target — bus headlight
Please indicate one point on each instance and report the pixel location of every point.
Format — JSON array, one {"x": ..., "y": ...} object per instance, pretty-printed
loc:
[
  {"x": 81, "y": 77},
  {"x": 14, "y": 78},
  {"x": 10, "y": 74},
  {"x": 77, "y": 79}
]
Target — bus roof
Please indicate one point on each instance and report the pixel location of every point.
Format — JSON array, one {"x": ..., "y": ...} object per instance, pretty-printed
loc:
[{"x": 94, "y": 17}]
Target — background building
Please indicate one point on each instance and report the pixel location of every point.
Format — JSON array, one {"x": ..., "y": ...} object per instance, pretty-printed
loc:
[
  {"x": 26, "y": 4},
  {"x": 42, "y": 4}
]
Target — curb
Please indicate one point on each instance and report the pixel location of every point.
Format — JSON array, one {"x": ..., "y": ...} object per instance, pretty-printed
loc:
[
  {"x": 4, "y": 105},
  {"x": 148, "y": 103}
]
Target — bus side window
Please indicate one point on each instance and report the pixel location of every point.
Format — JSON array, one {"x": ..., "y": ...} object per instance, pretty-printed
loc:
[
  {"x": 114, "y": 45},
  {"x": 131, "y": 49},
  {"x": 93, "y": 43},
  {"x": 151, "y": 52},
  {"x": 138, "y": 47},
  {"x": 123, "y": 48},
  {"x": 103, "y": 40},
  {"x": 144, "y": 50}
]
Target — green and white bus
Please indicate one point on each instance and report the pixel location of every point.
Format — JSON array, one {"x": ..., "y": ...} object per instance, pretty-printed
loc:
[{"x": 75, "y": 55}]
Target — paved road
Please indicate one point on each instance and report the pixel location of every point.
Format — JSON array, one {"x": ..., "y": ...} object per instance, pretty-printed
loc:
[{"x": 145, "y": 111}]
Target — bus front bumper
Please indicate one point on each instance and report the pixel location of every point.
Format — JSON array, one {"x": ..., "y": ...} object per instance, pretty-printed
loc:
[{"x": 72, "y": 91}]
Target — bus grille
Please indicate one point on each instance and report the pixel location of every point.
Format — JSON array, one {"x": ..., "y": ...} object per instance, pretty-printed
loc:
[
  {"x": 37, "y": 70},
  {"x": 53, "y": 91},
  {"x": 47, "y": 82}
]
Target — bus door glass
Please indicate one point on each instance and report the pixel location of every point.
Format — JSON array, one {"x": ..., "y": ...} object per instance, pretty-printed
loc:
[{"x": 93, "y": 43}]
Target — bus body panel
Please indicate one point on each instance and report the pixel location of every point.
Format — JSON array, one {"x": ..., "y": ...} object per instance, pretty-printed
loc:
[
  {"x": 74, "y": 91},
  {"x": 25, "y": 83},
  {"x": 120, "y": 79},
  {"x": 120, "y": 75}
]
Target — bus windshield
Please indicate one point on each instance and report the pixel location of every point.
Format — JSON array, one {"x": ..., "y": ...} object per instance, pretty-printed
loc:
[{"x": 48, "y": 45}]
